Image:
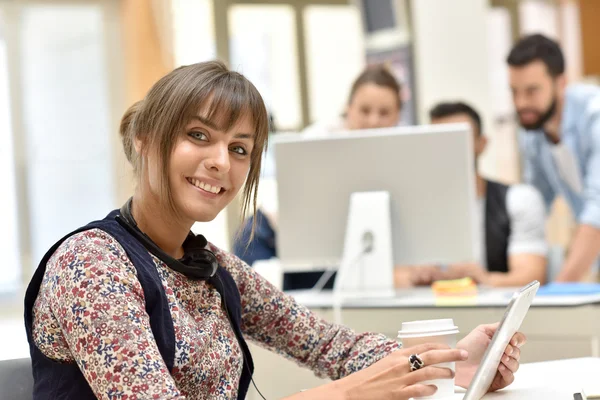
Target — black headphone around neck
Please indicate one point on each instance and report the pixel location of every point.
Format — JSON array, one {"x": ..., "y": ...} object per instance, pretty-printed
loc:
[{"x": 197, "y": 263}]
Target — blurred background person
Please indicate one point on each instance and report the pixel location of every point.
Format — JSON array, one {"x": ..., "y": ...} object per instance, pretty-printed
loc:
[
  {"x": 374, "y": 102},
  {"x": 511, "y": 243},
  {"x": 560, "y": 142}
]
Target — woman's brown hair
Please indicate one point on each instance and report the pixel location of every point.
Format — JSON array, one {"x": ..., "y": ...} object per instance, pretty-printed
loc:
[
  {"x": 380, "y": 75},
  {"x": 225, "y": 97}
]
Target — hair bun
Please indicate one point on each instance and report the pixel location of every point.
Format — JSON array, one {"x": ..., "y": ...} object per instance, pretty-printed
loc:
[{"x": 127, "y": 132}]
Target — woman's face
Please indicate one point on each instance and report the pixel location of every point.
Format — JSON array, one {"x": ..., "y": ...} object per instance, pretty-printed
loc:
[
  {"x": 373, "y": 106},
  {"x": 208, "y": 166}
]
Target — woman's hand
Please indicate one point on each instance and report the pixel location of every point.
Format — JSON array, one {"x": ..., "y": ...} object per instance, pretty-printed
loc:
[
  {"x": 416, "y": 275},
  {"x": 476, "y": 344},
  {"x": 391, "y": 378}
]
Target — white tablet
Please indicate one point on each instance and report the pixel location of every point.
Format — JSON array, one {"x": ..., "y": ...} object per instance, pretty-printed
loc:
[{"x": 513, "y": 317}]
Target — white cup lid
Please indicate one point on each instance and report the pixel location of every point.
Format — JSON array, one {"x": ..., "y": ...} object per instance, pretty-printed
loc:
[{"x": 432, "y": 327}]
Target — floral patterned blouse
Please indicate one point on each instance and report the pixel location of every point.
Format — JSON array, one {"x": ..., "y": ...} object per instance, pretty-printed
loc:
[{"x": 91, "y": 310}]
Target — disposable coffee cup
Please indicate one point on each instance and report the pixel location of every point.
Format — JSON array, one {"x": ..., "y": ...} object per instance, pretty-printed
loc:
[{"x": 432, "y": 331}]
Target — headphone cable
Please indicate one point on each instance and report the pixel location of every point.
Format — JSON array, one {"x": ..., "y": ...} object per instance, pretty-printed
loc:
[{"x": 244, "y": 360}]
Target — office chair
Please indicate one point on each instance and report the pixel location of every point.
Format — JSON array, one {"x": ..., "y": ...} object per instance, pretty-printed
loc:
[{"x": 16, "y": 379}]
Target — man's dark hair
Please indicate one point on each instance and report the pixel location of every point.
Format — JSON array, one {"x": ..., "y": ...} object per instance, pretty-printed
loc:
[
  {"x": 538, "y": 48},
  {"x": 448, "y": 109}
]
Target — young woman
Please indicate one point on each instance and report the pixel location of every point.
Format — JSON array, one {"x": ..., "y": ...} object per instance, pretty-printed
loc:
[{"x": 135, "y": 306}]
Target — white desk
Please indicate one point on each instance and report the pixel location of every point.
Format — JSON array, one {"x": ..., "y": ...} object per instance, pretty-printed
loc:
[
  {"x": 557, "y": 328},
  {"x": 551, "y": 380}
]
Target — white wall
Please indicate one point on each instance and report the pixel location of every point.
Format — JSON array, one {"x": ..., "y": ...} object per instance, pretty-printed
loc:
[
  {"x": 451, "y": 58},
  {"x": 571, "y": 40},
  {"x": 538, "y": 16},
  {"x": 66, "y": 116},
  {"x": 501, "y": 135}
]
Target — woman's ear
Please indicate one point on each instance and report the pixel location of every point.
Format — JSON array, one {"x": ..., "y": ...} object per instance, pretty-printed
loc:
[{"x": 137, "y": 144}]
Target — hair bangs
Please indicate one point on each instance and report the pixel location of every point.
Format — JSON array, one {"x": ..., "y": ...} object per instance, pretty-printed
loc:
[{"x": 223, "y": 102}]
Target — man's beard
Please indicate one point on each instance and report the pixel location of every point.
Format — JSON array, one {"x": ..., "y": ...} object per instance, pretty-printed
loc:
[{"x": 543, "y": 117}]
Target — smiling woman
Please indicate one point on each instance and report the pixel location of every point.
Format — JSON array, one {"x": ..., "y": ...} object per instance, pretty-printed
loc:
[
  {"x": 136, "y": 306},
  {"x": 198, "y": 113}
]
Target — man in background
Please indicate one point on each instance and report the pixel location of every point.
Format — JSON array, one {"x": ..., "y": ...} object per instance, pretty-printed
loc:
[
  {"x": 511, "y": 219},
  {"x": 560, "y": 142}
]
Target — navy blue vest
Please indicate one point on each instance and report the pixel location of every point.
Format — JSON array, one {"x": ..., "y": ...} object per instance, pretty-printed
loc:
[
  {"x": 64, "y": 381},
  {"x": 497, "y": 227}
]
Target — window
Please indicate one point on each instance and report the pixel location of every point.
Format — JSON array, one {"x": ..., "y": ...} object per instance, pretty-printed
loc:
[{"x": 11, "y": 266}]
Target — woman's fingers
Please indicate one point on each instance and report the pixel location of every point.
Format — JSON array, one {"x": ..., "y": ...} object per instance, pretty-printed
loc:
[
  {"x": 510, "y": 363},
  {"x": 415, "y": 391},
  {"x": 427, "y": 374},
  {"x": 507, "y": 376},
  {"x": 513, "y": 352},
  {"x": 518, "y": 339},
  {"x": 434, "y": 357},
  {"x": 431, "y": 354}
]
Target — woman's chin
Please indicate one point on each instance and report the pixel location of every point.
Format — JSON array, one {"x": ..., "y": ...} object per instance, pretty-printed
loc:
[
  {"x": 202, "y": 217},
  {"x": 200, "y": 211}
]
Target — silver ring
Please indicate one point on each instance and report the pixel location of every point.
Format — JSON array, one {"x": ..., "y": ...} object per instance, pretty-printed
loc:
[{"x": 415, "y": 362}]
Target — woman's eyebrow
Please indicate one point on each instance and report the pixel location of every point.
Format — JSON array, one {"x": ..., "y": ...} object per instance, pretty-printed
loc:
[
  {"x": 212, "y": 125},
  {"x": 244, "y": 136},
  {"x": 206, "y": 122}
]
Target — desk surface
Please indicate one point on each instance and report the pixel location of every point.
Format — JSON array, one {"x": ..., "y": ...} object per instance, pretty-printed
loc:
[
  {"x": 552, "y": 380},
  {"x": 424, "y": 298}
]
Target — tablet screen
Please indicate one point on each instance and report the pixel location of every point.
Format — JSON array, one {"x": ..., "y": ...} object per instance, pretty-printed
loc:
[{"x": 511, "y": 321}]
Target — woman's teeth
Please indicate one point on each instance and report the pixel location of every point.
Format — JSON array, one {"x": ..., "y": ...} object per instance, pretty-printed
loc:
[{"x": 204, "y": 186}]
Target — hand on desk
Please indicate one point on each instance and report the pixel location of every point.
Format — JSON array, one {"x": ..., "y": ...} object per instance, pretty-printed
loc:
[
  {"x": 466, "y": 270},
  {"x": 476, "y": 344},
  {"x": 424, "y": 275}
]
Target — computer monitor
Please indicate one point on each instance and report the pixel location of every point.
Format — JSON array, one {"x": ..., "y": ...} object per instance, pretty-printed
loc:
[{"x": 429, "y": 172}]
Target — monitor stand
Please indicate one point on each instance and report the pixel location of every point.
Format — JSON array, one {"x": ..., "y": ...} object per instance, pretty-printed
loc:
[{"x": 367, "y": 266}]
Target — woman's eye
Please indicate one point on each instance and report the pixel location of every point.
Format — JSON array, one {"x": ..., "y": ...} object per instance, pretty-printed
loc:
[
  {"x": 198, "y": 135},
  {"x": 239, "y": 150}
]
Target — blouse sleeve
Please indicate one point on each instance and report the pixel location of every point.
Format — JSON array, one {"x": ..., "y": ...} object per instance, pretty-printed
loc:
[
  {"x": 99, "y": 304},
  {"x": 277, "y": 322}
]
